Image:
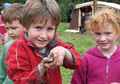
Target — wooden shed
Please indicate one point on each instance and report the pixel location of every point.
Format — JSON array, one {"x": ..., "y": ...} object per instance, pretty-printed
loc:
[{"x": 87, "y": 9}]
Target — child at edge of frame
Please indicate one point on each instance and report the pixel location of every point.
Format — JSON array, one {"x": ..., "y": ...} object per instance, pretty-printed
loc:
[
  {"x": 36, "y": 57},
  {"x": 100, "y": 64},
  {"x": 11, "y": 17},
  {"x": 3, "y": 32}
]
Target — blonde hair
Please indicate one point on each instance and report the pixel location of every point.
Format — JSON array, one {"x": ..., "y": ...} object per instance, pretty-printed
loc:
[
  {"x": 41, "y": 10},
  {"x": 13, "y": 12},
  {"x": 102, "y": 17}
]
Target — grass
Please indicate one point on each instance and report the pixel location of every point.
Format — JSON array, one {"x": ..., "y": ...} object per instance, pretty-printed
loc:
[{"x": 81, "y": 43}]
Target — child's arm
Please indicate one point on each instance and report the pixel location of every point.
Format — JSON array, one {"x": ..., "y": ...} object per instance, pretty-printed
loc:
[
  {"x": 60, "y": 54},
  {"x": 76, "y": 59},
  {"x": 3, "y": 74},
  {"x": 55, "y": 59},
  {"x": 63, "y": 54},
  {"x": 19, "y": 68},
  {"x": 2, "y": 67},
  {"x": 42, "y": 67}
]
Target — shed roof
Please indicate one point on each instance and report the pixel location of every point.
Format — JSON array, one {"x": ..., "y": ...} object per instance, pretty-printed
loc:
[{"x": 114, "y": 5}]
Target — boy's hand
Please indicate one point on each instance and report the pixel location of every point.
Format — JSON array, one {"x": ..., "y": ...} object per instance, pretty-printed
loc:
[
  {"x": 46, "y": 62},
  {"x": 48, "y": 59},
  {"x": 43, "y": 66},
  {"x": 58, "y": 55}
]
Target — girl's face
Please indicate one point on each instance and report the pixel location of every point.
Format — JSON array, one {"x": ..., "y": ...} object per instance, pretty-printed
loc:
[
  {"x": 105, "y": 37},
  {"x": 41, "y": 34}
]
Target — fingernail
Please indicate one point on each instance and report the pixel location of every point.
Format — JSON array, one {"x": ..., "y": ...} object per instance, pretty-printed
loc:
[{"x": 51, "y": 59}]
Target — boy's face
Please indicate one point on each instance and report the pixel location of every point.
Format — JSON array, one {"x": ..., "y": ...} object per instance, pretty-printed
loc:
[
  {"x": 41, "y": 34},
  {"x": 105, "y": 37},
  {"x": 14, "y": 29}
]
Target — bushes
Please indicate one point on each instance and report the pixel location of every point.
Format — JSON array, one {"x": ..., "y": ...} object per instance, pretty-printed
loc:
[{"x": 66, "y": 9}]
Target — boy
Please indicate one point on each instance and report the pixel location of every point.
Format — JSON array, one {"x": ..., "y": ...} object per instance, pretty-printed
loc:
[
  {"x": 12, "y": 20},
  {"x": 35, "y": 58},
  {"x": 100, "y": 64}
]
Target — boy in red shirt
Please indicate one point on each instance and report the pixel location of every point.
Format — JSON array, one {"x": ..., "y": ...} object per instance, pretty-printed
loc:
[{"x": 36, "y": 57}]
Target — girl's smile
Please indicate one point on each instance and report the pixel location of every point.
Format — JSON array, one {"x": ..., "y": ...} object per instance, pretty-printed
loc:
[{"x": 105, "y": 37}]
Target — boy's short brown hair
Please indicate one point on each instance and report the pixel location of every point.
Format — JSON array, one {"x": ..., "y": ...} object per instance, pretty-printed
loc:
[
  {"x": 13, "y": 12},
  {"x": 37, "y": 11}
]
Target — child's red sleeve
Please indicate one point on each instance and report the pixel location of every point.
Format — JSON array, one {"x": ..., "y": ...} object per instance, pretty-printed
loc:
[{"x": 19, "y": 68}]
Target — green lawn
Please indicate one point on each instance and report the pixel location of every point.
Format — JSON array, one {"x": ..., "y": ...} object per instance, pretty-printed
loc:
[{"x": 81, "y": 43}]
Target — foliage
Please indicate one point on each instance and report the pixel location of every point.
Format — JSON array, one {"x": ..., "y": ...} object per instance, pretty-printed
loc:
[
  {"x": 66, "y": 9},
  {"x": 11, "y": 1}
]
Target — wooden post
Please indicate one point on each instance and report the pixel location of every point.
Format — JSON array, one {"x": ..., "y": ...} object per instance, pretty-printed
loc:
[{"x": 95, "y": 5}]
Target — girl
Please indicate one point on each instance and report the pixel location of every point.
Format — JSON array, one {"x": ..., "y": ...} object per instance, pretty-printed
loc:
[{"x": 100, "y": 65}]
